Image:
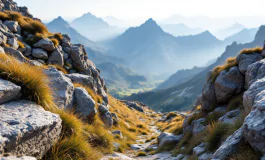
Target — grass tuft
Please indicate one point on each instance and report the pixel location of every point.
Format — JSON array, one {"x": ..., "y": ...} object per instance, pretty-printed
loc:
[
  {"x": 32, "y": 79},
  {"x": 60, "y": 68},
  {"x": 230, "y": 62},
  {"x": 216, "y": 132},
  {"x": 21, "y": 44},
  {"x": 141, "y": 154},
  {"x": 251, "y": 50},
  {"x": 235, "y": 102},
  {"x": 55, "y": 41}
]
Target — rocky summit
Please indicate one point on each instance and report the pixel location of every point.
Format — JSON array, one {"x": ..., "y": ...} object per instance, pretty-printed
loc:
[{"x": 55, "y": 105}]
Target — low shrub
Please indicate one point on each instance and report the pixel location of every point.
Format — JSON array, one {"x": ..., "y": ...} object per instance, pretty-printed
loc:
[
  {"x": 58, "y": 36},
  {"x": 216, "y": 132}
]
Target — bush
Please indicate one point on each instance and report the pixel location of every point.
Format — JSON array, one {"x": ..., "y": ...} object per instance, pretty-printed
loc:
[
  {"x": 32, "y": 80},
  {"x": 216, "y": 132},
  {"x": 251, "y": 50},
  {"x": 230, "y": 62},
  {"x": 34, "y": 39}
]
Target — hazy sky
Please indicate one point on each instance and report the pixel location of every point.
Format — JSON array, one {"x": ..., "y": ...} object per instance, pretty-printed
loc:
[{"x": 135, "y": 9}]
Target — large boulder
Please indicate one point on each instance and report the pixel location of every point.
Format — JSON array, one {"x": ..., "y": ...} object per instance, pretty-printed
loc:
[
  {"x": 62, "y": 87},
  {"x": 198, "y": 126},
  {"x": 134, "y": 105},
  {"x": 27, "y": 129},
  {"x": 254, "y": 128},
  {"x": 77, "y": 55},
  {"x": 229, "y": 146},
  {"x": 39, "y": 53},
  {"x": 230, "y": 117},
  {"x": 249, "y": 96},
  {"x": 208, "y": 98},
  {"x": 168, "y": 139},
  {"x": 82, "y": 79},
  {"x": 45, "y": 44},
  {"x": 3, "y": 39},
  {"x": 254, "y": 72},
  {"x": 13, "y": 43},
  {"x": 244, "y": 60},
  {"x": 8, "y": 91},
  {"x": 13, "y": 26},
  {"x": 105, "y": 115},
  {"x": 14, "y": 53},
  {"x": 228, "y": 84},
  {"x": 85, "y": 105},
  {"x": 56, "y": 57}
]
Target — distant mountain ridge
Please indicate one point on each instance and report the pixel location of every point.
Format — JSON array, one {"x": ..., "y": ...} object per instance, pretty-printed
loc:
[
  {"x": 95, "y": 28},
  {"x": 244, "y": 36},
  {"x": 151, "y": 50},
  {"x": 180, "y": 29},
  {"x": 229, "y": 31},
  {"x": 183, "y": 96}
]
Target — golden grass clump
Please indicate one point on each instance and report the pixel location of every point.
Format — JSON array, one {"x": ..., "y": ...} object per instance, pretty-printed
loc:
[
  {"x": 97, "y": 98},
  {"x": 141, "y": 154},
  {"x": 216, "y": 131},
  {"x": 230, "y": 62},
  {"x": 32, "y": 79},
  {"x": 58, "y": 36},
  {"x": 21, "y": 44},
  {"x": 251, "y": 50},
  {"x": 55, "y": 41},
  {"x": 60, "y": 68}
]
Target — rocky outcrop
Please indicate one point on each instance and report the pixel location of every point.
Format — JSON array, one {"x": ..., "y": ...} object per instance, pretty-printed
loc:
[
  {"x": 45, "y": 44},
  {"x": 230, "y": 117},
  {"x": 227, "y": 84},
  {"x": 62, "y": 87},
  {"x": 85, "y": 105},
  {"x": 134, "y": 105},
  {"x": 105, "y": 115},
  {"x": 27, "y": 129},
  {"x": 229, "y": 146},
  {"x": 8, "y": 91},
  {"x": 244, "y": 60}
]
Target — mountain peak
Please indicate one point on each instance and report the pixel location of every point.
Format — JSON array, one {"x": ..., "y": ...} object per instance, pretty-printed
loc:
[
  {"x": 150, "y": 22},
  {"x": 59, "y": 21}
]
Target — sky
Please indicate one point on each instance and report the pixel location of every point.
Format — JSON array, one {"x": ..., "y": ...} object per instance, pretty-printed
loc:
[{"x": 139, "y": 10}]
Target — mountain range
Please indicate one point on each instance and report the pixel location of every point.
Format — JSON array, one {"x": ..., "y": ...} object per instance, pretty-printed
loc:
[
  {"x": 180, "y": 29},
  {"x": 148, "y": 49},
  {"x": 183, "y": 96},
  {"x": 95, "y": 28},
  {"x": 226, "y": 32}
]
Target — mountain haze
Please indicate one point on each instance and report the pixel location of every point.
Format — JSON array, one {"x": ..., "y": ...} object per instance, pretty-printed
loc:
[
  {"x": 180, "y": 29},
  {"x": 95, "y": 28},
  {"x": 149, "y": 49}
]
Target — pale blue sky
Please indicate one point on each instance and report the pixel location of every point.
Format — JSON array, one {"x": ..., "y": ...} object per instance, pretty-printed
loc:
[{"x": 142, "y": 9}]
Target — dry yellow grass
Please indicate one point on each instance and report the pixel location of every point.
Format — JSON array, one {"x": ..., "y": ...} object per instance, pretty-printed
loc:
[
  {"x": 60, "y": 68},
  {"x": 21, "y": 44},
  {"x": 33, "y": 80},
  {"x": 230, "y": 62},
  {"x": 251, "y": 50},
  {"x": 173, "y": 126},
  {"x": 55, "y": 41}
]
